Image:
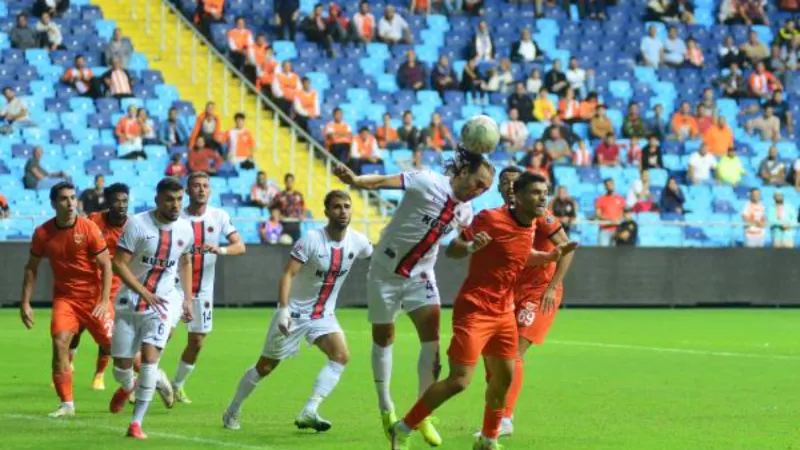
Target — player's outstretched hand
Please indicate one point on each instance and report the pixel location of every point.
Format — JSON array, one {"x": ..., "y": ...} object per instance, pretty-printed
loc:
[
  {"x": 157, "y": 303},
  {"x": 284, "y": 320},
  {"x": 26, "y": 313},
  {"x": 481, "y": 240},
  {"x": 101, "y": 310},
  {"x": 345, "y": 174}
]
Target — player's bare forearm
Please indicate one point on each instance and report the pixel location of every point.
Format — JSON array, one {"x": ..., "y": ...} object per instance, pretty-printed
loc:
[
  {"x": 564, "y": 263},
  {"x": 538, "y": 258},
  {"x": 293, "y": 266},
  {"x": 378, "y": 182},
  {"x": 236, "y": 245},
  {"x": 120, "y": 266},
  {"x": 29, "y": 280},
  {"x": 185, "y": 267},
  {"x": 107, "y": 275}
]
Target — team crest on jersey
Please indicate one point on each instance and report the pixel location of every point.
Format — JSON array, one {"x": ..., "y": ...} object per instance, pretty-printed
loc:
[
  {"x": 550, "y": 219},
  {"x": 207, "y": 305},
  {"x": 180, "y": 243},
  {"x": 351, "y": 255},
  {"x": 210, "y": 229},
  {"x": 423, "y": 276},
  {"x": 79, "y": 238}
]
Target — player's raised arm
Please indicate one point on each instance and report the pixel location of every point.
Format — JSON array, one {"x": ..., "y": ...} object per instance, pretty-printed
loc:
[
  {"x": 370, "y": 182},
  {"x": 106, "y": 276},
  {"x": 538, "y": 258},
  {"x": 562, "y": 267},
  {"x": 293, "y": 266},
  {"x": 185, "y": 275},
  {"x": 28, "y": 283}
]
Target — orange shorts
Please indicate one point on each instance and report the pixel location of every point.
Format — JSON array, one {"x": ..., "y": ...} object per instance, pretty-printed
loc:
[
  {"x": 532, "y": 323},
  {"x": 73, "y": 316},
  {"x": 478, "y": 333}
]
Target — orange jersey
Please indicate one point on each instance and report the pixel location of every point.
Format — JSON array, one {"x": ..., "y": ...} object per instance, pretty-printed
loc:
[
  {"x": 71, "y": 252},
  {"x": 534, "y": 277},
  {"x": 493, "y": 270},
  {"x": 111, "y": 234}
]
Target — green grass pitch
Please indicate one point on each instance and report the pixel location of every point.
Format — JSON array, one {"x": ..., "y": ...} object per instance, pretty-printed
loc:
[{"x": 607, "y": 379}]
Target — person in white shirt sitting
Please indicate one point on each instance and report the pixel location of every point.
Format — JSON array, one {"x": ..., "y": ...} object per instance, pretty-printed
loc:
[
  {"x": 755, "y": 221},
  {"x": 701, "y": 163},
  {"x": 393, "y": 29},
  {"x": 513, "y": 132},
  {"x": 576, "y": 77},
  {"x": 525, "y": 49}
]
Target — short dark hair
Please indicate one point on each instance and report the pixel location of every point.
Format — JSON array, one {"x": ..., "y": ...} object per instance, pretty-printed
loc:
[
  {"x": 527, "y": 178},
  {"x": 337, "y": 109},
  {"x": 287, "y": 176},
  {"x": 509, "y": 169},
  {"x": 168, "y": 184},
  {"x": 364, "y": 128},
  {"x": 60, "y": 186},
  {"x": 116, "y": 188},
  {"x": 335, "y": 195},
  {"x": 261, "y": 172},
  {"x": 304, "y": 79},
  {"x": 608, "y": 180},
  {"x": 192, "y": 176},
  {"x": 238, "y": 115},
  {"x": 78, "y": 56},
  {"x": 98, "y": 176}
]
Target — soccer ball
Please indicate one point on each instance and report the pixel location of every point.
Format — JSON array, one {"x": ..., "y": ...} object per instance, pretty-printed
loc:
[{"x": 480, "y": 135}]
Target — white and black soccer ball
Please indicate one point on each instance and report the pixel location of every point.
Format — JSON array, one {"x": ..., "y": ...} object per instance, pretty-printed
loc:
[{"x": 480, "y": 135}]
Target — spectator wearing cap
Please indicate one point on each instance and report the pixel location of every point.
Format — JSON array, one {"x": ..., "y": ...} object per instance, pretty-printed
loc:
[
  {"x": 316, "y": 29},
  {"x": 772, "y": 170},
  {"x": 208, "y": 125},
  {"x": 555, "y": 80},
  {"x": 408, "y": 134},
  {"x": 439, "y": 134},
  {"x": 674, "y": 49},
  {"x": 118, "y": 48},
  {"x": 633, "y": 125},
  {"x": 50, "y": 33},
  {"x": 672, "y": 198},
  {"x": 651, "y": 48},
  {"x": 513, "y": 132},
  {"x": 600, "y": 126},
  {"x": 286, "y": 14},
  {"x": 608, "y": 209},
  {"x": 240, "y": 39},
  {"x": 767, "y": 125},
  {"x": 754, "y": 51},
  {"x": 34, "y": 172},
  {"x": 565, "y": 208},
  {"x": 483, "y": 43},
  {"x": 239, "y": 141},
  {"x": 719, "y": 137},
  {"x": 172, "y": 132},
  {"x": 117, "y": 80},
  {"x": 5, "y": 210},
  {"x": 627, "y": 232},
  {"x": 292, "y": 207},
  {"x": 525, "y": 49},
  {"x": 730, "y": 168},
  {"x": 657, "y": 124},
  {"x": 305, "y": 106},
  {"x": 684, "y": 124},
  {"x": 176, "y": 168},
  {"x": 364, "y": 150},
  {"x": 80, "y": 77},
  {"x": 271, "y": 231},
  {"x": 443, "y": 77},
  {"x": 543, "y": 108},
  {"x": 701, "y": 163},
  {"x": 256, "y": 55},
  {"x": 755, "y": 220},
  {"x": 386, "y": 134},
  {"x": 338, "y": 136},
  {"x": 364, "y": 24},
  {"x": 607, "y": 152},
  {"x": 285, "y": 84},
  {"x": 204, "y": 159},
  {"x": 782, "y": 220},
  {"x": 762, "y": 82},
  {"x": 263, "y": 193},
  {"x": 520, "y": 101},
  {"x": 392, "y": 28},
  {"x": 23, "y": 36},
  {"x": 411, "y": 74}
]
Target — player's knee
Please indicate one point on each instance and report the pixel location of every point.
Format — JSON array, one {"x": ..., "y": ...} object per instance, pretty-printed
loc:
[
  {"x": 457, "y": 384},
  {"x": 265, "y": 366},
  {"x": 340, "y": 356},
  {"x": 383, "y": 336}
]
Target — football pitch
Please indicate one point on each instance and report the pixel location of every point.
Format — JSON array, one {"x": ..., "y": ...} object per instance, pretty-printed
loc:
[{"x": 606, "y": 379}]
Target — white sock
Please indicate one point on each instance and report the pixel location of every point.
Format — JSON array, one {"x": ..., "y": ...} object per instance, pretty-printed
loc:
[
  {"x": 428, "y": 366},
  {"x": 382, "y": 373},
  {"x": 246, "y": 386},
  {"x": 68, "y": 404},
  {"x": 327, "y": 379},
  {"x": 125, "y": 378},
  {"x": 183, "y": 372},
  {"x": 148, "y": 377}
]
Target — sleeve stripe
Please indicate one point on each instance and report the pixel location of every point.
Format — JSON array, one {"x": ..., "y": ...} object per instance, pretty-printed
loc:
[
  {"x": 556, "y": 231},
  {"x": 36, "y": 255},
  {"x": 101, "y": 251},
  {"x": 297, "y": 258},
  {"x": 119, "y": 247}
]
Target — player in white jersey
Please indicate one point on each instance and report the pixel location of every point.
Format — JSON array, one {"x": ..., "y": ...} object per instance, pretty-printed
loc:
[
  {"x": 154, "y": 248},
  {"x": 210, "y": 226},
  {"x": 401, "y": 274},
  {"x": 320, "y": 261}
]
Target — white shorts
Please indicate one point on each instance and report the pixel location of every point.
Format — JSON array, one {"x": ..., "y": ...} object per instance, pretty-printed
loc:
[
  {"x": 176, "y": 298},
  {"x": 201, "y": 316},
  {"x": 388, "y": 293},
  {"x": 279, "y": 347},
  {"x": 131, "y": 330}
]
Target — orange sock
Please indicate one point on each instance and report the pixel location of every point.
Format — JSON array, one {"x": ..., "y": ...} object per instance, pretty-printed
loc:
[
  {"x": 102, "y": 363},
  {"x": 63, "y": 383},
  {"x": 491, "y": 422},
  {"x": 137, "y": 362},
  {"x": 515, "y": 388},
  {"x": 417, "y": 414}
]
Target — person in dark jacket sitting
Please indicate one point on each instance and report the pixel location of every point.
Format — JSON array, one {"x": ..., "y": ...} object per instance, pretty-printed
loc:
[
  {"x": 411, "y": 74},
  {"x": 443, "y": 77},
  {"x": 672, "y": 198},
  {"x": 521, "y": 102}
]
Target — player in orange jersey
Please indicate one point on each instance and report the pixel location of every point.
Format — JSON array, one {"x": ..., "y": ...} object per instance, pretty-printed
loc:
[
  {"x": 76, "y": 249},
  {"x": 483, "y": 313},
  {"x": 112, "y": 224}
]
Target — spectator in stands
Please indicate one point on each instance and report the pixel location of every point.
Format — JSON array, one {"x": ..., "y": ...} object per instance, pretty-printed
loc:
[
  {"x": 338, "y": 24},
  {"x": 752, "y": 12},
  {"x": 556, "y": 146},
  {"x": 651, "y": 48},
  {"x": 176, "y": 168},
  {"x": 684, "y": 124},
  {"x": 633, "y": 125},
  {"x": 50, "y": 33},
  {"x": 513, "y": 132},
  {"x": 471, "y": 81},
  {"x": 53, "y": 7},
  {"x": 317, "y": 30},
  {"x": 657, "y": 124},
  {"x": 34, "y": 172},
  {"x": 565, "y": 131},
  {"x": 292, "y": 207},
  {"x": 701, "y": 164},
  {"x": 386, "y": 134},
  {"x": 239, "y": 142},
  {"x": 256, "y": 55},
  {"x": 306, "y": 105},
  {"x": 411, "y": 74},
  {"x": 627, "y": 232},
  {"x": 767, "y": 126},
  {"x": 639, "y": 190},
  {"x": 794, "y": 175},
  {"x": 543, "y": 108},
  {"x": 672, "y": 198},
  {"x": 118, "y": 48},
  {"x": 729, "y": 53},
  {"x": 265, "y": 74},
  {"x": 473, "y": 7},
  {"x": 555, "y": 80},
  {"x": 439, "y": 133},
  {"x": 778, "y": 66},
  {"x": 589, "y": 106},
  {"x": 208, "y": 126},
  {"x": 263, "y": 193},
  {"x": 576, "y": 77},
  {"x": 694, "y": 54},
  {"x": 719, "y": 138},
  {"x": 755, "y": 220},
  {"x": 117, "y": 80},
  {"x": 733, "y": 83},
  {"x": 287, "y": 12},
  {"x": 651, "y": 157},
  {"x": 633, "y": 148},
  {"x": 520, "y": 101},
  {"x": 129, "y": 133},
  {"x": 705, "y": 120},
  {"x": 786, "y": 33},
  {"x": 525, "y": 49},
  {"x": 674, "y": 49},
  {"x": 608, "y": 209},
  {"x": 539, "y": 165},
  {"x": 730, "y": 168},
  {"x": 564, "y": 208},
  {"x": 600, "y": 126},
  {"x": 581, "y": 156},
  {"x": 393, "y": 29},
  {"x": 364, "y": 150},
  {"x": 201, "y": 158},
  {"x": 754, "y": 51},
  {"x": 284, "y": 85},
  {"x": 772, "y": 170},
  {"x": 207, "y": 13},
  {"x": 709, "y": 102},
  {"x": 5, "y": 210},
  {"x": 569, "y": 108},
  {"x": 762, "y": 82},
  {"x": 14, "y": 112},
  {"x": 22, "y": 36},
  {"x": 364, "y": 24},
  {"x": 408, "y": 134},
  {"x": 607, "y": 152},
  {"x": 172, "y": 132},
  {"x": 483, "y": 43},
  {"x": 443, "y": 77},
  {"x": 781, "y": 110},
  {"x": 534, "y": 82},
  {"x": 92, "y": 199},
  {"x": 271, "y": 231},
  {"x": 505, "y": 77},
  {"x": 147, "y": 126},
  {"x": 240, "y": 39},
  {"x": 80, "y": 77},
  {"x": 338, "y": 136},
  {"x": 536, "y": 150},
  {"x": 782, "y": 219},
  {"x": 680, "y": 10}
]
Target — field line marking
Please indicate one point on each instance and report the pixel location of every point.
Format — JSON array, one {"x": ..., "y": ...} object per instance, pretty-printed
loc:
[
  {"x": 77, "y": 423},
  {"x": 687, "y": 351}
]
